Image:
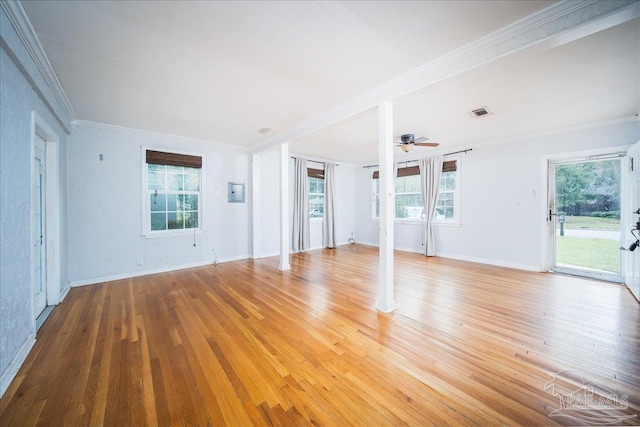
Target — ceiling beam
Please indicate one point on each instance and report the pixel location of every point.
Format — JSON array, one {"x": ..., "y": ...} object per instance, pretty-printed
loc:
[{"x": 558, "y": 24}]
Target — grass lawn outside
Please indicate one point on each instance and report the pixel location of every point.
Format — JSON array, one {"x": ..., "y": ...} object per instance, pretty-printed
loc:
[
  {"x": 595, "y": 254},
  {"x": 591, "y": 223}
]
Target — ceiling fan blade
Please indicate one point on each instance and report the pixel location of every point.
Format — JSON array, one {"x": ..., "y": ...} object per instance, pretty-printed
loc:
[
  {"x": 426, "y": 144},
  {"x": 421, "y": 139}
]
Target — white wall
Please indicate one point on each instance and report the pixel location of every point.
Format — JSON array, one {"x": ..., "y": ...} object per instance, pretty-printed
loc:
[
  {"x": 105, "y": 205},
  {"x": 18, "y": 77},
  {"x": 345, "y": 202},
  {"x": 270, "y": 203},
  {"x": 502, "y": 220}
]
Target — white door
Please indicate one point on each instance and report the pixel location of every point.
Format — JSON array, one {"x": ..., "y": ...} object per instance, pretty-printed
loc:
[
  {"x": 631, "y": 228},
  {"x": 584, "y": 217},
  {"x": 38, "y": 227}
]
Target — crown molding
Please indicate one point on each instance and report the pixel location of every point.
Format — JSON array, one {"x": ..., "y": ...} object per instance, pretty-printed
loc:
[
  {"x": 557, "y": 24},
  {"x": 27, "y": 34}
]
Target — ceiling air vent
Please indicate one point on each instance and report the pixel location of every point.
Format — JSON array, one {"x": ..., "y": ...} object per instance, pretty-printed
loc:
[
  {"x": 265, "y": 130},
  {"x": 481, "y": 112}
]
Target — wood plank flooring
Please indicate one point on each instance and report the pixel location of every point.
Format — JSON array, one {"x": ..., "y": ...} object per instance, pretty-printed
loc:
[{"x": 242, "y": 343}]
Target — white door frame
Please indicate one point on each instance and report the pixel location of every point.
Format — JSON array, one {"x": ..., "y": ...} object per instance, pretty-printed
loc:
[
  {"x": 632, "y": 203},
  {"x": 38, "y": 226},
  {"x": 40, "y": 128},
  {"x": 548, "y": 163}
]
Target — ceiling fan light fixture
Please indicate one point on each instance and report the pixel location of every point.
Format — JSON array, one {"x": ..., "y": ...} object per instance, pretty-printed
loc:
[
  {"x": 406, "y": 147},
  {"x": 407, "y": 138}
]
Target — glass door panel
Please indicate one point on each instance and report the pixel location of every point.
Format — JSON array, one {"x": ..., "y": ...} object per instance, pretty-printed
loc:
[{"x": 585, "y": 216}]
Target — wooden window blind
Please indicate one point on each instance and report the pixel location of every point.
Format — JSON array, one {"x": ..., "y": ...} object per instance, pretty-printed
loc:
[
  {"x": 450, "y": 166},
  {"x": 315, "y": 173},
  {"x": 173, "y": 159},
  {"x": 408, "y": 171}
]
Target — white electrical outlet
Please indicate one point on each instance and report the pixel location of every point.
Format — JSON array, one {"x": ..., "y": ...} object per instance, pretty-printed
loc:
[{"x": 139, "y": 262}]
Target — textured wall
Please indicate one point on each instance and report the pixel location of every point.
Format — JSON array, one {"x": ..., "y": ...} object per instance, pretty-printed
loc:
[
  {"x": 17, "y": 100},
  {"x": 105, "y": 204}
]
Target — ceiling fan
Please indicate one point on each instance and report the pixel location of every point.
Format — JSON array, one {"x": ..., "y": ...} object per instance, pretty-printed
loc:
[{"x": 408, "y": 141}]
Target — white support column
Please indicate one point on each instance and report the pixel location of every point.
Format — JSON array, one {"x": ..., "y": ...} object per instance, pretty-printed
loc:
[
  {"x": 255, "y": 207},
  {"x": 285, "y": 241},
  {"x": 386, "y": 303}
]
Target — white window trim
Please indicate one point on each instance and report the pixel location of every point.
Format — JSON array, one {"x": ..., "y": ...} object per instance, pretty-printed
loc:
[
  {"x": 146, "y": 208},
  {"x": 454, "y": 222},
  {"x": 315, "y": 218},
  {"x": 372, "y": 204}
]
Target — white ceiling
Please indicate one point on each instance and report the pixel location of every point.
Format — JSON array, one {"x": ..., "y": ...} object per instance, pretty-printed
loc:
[{"x": 221, "y": 71}]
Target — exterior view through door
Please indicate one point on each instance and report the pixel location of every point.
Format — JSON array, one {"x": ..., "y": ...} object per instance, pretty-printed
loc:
[{"x": 584, "y": 217}]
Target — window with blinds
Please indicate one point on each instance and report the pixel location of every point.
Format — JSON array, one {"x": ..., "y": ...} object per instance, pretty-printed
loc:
[
  {"x": 173, "y": 191},
  {"x": 316, "y": 192},
  {"x": 409, "y": 204}
]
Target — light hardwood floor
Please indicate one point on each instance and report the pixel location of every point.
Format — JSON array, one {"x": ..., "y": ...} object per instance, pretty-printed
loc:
[{"x": 242, "y": 343}]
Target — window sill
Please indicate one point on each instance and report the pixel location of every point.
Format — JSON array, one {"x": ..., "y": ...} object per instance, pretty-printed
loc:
[
  {"x": 171, "y": 233},
  {"x": 315, "y": 220}
]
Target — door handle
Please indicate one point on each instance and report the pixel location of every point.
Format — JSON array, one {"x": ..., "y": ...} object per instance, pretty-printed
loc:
[{"x": 552, "y": 214}]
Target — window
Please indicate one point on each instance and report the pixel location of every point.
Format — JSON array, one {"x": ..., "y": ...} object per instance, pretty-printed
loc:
[
  {"x": 409, "y": 205},
  {"x": 173, "y": 191},
  {"x": 316, "y": 193},
  {"x": 446, "y": 205},
  {"x": 408, "y": 197}
]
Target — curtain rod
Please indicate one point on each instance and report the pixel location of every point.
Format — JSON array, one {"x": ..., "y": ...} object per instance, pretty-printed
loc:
[
  {"x": 410, "y": 161},
  {"x": 314, "y": 161}
]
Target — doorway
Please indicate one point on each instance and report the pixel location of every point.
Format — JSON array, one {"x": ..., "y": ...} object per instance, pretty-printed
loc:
[
  {"x": 46, "y": 250},
  {"x": 584, "y": 217},
  {"x": 39, "y": 250}
]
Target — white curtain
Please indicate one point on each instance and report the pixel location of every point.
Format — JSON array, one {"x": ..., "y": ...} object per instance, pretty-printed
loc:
[
  {"x": 430, "y": 173},
  {"x": 301, "y": 233},
  {"x": 328, "y": 225}
]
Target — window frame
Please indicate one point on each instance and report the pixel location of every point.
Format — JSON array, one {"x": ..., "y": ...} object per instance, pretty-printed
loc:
[
  {"x": 456, "y": 202},
  {"x": 317, "y": 174},
  {"x": 146, "y": 200},
  {"x": 404, "y": 194},
  {"x": 309, "y": 193},
  {"x": 453, "y": 222}
]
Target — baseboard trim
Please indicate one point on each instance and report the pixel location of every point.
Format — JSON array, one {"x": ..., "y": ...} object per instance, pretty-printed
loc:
[
  {"x": 44, "y": 316},
  {"x": 485, "y": 261},
  {"x": 233, "y": 258},
  {"x": 495, "y": 263},
  {"x": 12, "y": 370},
  {"x": 315, "y": 248},
  {"x": 269, "y": 255},
  {"x": 132, "y": 274},
  {"x": 64, "y": 293}
]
